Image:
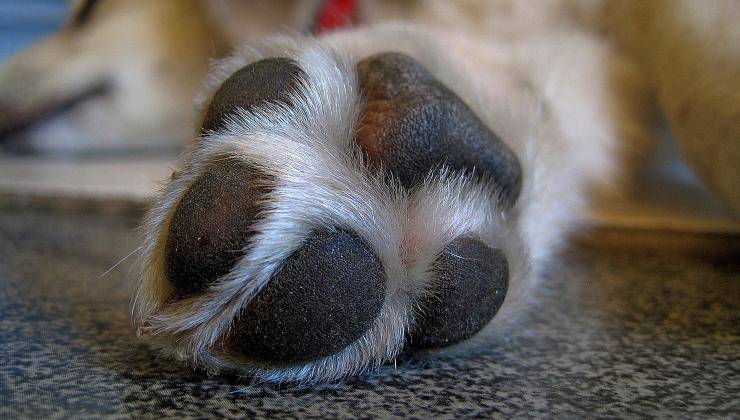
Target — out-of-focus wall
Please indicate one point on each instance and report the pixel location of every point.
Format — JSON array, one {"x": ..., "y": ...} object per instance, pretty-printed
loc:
[{"x": 24, "y": 21}]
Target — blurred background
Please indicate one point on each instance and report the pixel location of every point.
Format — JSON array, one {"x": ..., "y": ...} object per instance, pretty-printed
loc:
[{"x": 24, "y": 21}]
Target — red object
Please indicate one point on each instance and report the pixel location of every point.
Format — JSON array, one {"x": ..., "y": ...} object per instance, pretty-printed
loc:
[{"x": 334, "y": 14}]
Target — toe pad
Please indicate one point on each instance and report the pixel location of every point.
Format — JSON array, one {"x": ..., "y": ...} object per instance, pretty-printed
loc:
[
  {"x": 472, "y": 279},
  {"x": 267, "y": 81},
  {"x": 323, "y": 298},
  {"x": 211, "y": 225}
]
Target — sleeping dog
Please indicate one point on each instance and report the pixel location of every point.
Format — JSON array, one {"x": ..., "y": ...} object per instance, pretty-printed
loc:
[{"x": 400, "y": 185}]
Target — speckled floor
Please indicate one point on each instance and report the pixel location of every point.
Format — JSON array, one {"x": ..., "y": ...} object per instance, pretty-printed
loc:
[{"x": 614, "y": 333}]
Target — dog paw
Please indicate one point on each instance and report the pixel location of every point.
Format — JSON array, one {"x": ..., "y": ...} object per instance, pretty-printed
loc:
[{"x": 332, "y": 212}]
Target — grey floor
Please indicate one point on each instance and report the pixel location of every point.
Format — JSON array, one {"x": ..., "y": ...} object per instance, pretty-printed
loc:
[{"x": 614, "y": 333}]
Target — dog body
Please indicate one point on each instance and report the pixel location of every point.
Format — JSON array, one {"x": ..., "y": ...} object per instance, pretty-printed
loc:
[{"x": 428, "y": 168}]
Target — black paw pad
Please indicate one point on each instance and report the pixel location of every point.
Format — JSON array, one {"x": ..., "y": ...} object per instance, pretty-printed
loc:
[
  {"x": 472, "y": 282},
  {"x": 211, "y": 225},
  {"x": 269, "y": 80},
  {"x": 323, "y": 298},
  {"x": 414, "y": 123}
]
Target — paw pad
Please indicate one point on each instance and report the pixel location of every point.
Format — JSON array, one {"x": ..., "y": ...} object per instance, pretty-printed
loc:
[
  {"x": 413, "y": 124},
  {"x": 212, "y": 224},
  {"x": 322, "y": 299},
  {"x": 471, "y": 283},
  {"x": 266, "y": 81}
]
